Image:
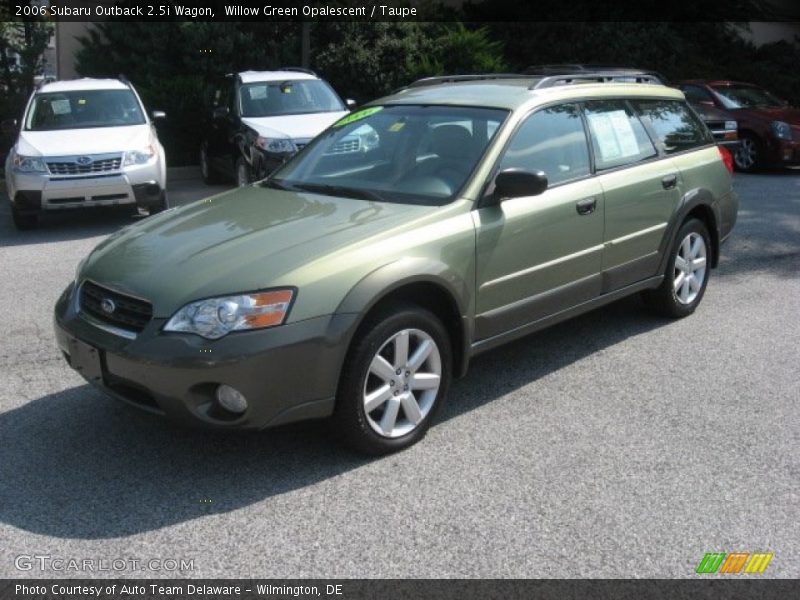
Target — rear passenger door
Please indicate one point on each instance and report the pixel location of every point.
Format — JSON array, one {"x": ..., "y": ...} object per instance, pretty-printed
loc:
[
  {"x": 541, "y": 254},
  {"x": 641, "y": 190}
]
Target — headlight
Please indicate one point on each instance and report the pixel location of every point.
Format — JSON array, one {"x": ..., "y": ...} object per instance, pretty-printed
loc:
[
  {"x": 277, "y": 145},
  {"x": 139, "y": 157},
  {"x": 216, "y": 317},
  {"x": 731, "y": 125},
  {"x": 29, "y": 164},
  {"x": 781, "y": 130}
]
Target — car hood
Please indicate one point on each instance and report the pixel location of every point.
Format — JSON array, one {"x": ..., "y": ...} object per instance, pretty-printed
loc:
[
  {"x": 294, "y": 126},
  {"x": 96, "y": 140},
  {"x": 787, "y": 114},
  {"x": 247, "y": 239}
]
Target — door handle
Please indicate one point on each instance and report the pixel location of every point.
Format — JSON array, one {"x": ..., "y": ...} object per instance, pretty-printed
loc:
[
  {"x": 669, "y": 182},
  {"x": 586, "y": 206}
]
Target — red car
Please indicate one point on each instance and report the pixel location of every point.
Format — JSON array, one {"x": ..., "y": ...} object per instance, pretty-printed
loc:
[{"x": 769, "y": 129}]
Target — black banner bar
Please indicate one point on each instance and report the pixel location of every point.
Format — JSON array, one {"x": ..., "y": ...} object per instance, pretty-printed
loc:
[{"x": 399, "y": 10}]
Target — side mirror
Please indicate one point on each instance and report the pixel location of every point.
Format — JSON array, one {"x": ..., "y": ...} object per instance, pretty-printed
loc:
[
  {"x": 221, "y": 112},
  {"x": 351, "y": 104},
  {"x": 159, "y": 114},
  {"x": 515, "y": 183},
  {"x": 9, "y": 126}
]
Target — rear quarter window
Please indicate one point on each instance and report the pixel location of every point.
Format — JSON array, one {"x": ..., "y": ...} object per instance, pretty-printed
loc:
[{"x": 675, "y": 125}]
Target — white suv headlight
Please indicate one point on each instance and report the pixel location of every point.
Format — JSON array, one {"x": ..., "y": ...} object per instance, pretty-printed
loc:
[
  {"x": 215, "y": 317},
  {"x": 29, "y": 164},
  {"x": 277, "y": 145},
  {"x": 139, "y": 157}
]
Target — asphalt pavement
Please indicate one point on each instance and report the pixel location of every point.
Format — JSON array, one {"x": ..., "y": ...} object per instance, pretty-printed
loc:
[{"x": 614, "y": 445}]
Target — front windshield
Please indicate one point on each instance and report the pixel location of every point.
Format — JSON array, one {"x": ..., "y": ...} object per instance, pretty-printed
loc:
[
  {"x": 291, "y": 97},
  {"x": 409, "y": 154},
  {"x": 745, "y": 96},
  {"x": 84, "y": 109}
]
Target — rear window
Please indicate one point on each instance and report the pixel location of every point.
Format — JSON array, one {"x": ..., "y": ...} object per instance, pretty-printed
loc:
[{"x": 676, "y": 127}]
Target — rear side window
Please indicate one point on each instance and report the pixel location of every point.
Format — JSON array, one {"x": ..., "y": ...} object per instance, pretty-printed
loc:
[
  {"x": 550, "y": 140},
  {"x": 676, "y": 127},
  {"x": 696, "y": 94},
  {"x": 618, "y": 137}
]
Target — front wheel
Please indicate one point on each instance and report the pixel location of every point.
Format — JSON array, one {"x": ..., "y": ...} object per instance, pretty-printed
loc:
[
  {"x": 23, "y": 221},
  {"x": 394, "y": 381},
  {"x": 686, "y": 277},
  {"x": 748, "y": 155}
]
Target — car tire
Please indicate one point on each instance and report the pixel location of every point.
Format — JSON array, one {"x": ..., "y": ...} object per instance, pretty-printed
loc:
[
  {"x": 386, "y": 402},
  {"x": 244, "y": 176},
  {"x": 748, "y": 157},
  {"x": 687, "y": 273},
  {"x": 209, "y": 175},
  {"x": 22, "y": 221},
  {"x": 160, "y": 206}
]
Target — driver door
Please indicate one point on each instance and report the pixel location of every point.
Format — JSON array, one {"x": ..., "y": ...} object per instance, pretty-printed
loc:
[{"x": 541, "y": 254}]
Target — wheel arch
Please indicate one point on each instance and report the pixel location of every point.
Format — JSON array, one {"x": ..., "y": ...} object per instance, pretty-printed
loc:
[
  {"x": 428, "y": 284},
  {"x": 697, "y": 203}
]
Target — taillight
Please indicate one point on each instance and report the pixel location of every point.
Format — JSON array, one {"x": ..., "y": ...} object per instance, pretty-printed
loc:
[{"x": 727, "y": 158}]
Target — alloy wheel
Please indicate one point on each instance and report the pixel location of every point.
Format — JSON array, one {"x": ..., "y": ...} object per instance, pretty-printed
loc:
[
  {"x": 402, "y": 383},
  {"x": 690, "y": 268},
  {"x": 746, "y": 154}
]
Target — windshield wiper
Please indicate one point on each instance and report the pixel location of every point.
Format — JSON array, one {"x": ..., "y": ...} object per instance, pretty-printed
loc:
[{"x": 339, "y": 190}]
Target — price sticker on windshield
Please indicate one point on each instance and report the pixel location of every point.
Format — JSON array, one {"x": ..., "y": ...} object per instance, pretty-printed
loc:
[{"x": 357, "y": 116}]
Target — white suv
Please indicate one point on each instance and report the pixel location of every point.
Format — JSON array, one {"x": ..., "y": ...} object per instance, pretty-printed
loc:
[{"x": 85, "y": 142}]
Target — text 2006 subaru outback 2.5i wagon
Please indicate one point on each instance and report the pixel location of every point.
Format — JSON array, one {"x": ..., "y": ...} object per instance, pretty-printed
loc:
[{"x": 357, "y": 285}]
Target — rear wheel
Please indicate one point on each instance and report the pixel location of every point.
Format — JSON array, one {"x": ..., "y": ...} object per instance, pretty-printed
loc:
[
  {"x": 24, "y": 221},
  {"x": 394, "y": 381},
  {"x": 687, "y": 273},
  {"x": 748, "y": 156}
]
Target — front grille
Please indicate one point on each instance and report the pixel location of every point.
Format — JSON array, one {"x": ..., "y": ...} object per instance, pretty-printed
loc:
[
  {"x": 97, "y": 164},
  {"x": 129, "y": 313},
  {"x": 346, "y": 146}
]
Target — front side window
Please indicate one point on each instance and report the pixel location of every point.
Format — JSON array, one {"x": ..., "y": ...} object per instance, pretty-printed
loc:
[
  {"x": 745, "y": 96},
  {"x": 84, "y": 109},
  {"x": 401, "y": 153},
  {"x": 551, "y": 140},
  {"x": 294, "y": 97},
  {"x": 618, "y": 137},
  {"x": 674, "y": 124}
]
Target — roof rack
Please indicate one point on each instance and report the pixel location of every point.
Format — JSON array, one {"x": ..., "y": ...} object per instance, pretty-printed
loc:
[
  {"x": 298, "y": 70},
  {"x": 45, "y": 80},
  {"x": 457, "y": 78},
  {"x": 618, "y": 76}
]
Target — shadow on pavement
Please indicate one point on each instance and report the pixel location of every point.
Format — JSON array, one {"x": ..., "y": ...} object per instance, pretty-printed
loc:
[{"x": 78, "y": 465}]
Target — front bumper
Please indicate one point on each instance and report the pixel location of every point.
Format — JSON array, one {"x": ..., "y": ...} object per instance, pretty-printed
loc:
[
  {"x": 37, "y": 192},
  {"x": 288, "y": 373}
]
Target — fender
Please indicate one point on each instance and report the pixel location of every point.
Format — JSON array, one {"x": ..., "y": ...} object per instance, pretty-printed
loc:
[
  {"x": 691, "y": 200},
  {"x": 381, "y": 282}
]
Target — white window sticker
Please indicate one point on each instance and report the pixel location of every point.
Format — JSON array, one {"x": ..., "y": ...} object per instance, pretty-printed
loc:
[
  {"x": 60, "y": 107},
  {"x": 614, "y": 135},
  {"x": 258, "y": 92}
]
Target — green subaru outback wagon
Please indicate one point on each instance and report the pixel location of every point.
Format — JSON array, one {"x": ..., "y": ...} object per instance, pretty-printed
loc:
[{"x": 434, "y": 224}]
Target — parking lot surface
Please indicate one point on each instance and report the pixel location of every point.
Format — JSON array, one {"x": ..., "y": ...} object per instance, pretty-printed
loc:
[{"x": 614, "y": 445}]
